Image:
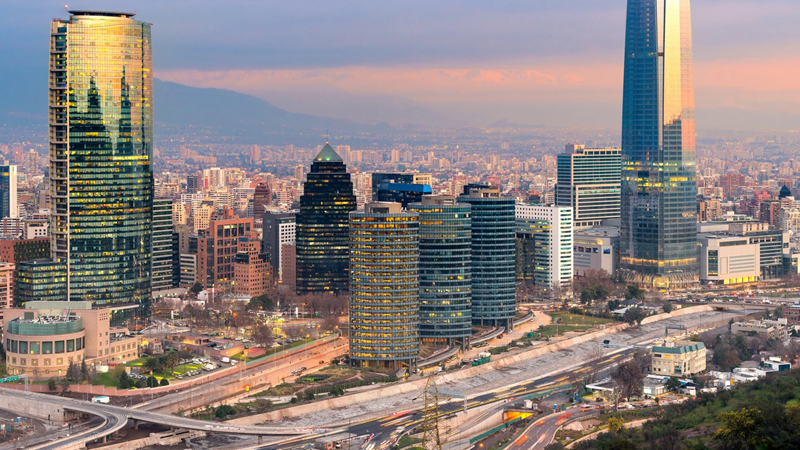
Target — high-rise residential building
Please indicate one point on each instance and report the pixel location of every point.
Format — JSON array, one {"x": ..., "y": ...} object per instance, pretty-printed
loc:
[
  {"x": 445, "y": 269},
  {"x": 658, "y": 236},
  {"x": 493, "y": 262},
  {"x": 217, "y": 247},
  {"x": 384, "y": 287},
  {"x": 192, "y": 183},
  {"x": 262, "y": 197},
  {"x": 252, "y": 275},
  {"x": 255, "y": 154},
  {"x": 403, "y": 193},
  {"x": 589, "y": 182},
  {"x": 278, "y": 229},
  {"x": 323, "y": 225},
  {"x": 162, "y": 245},
  {"x": 202, "y": 215},
  {"x": 8, "y": 192},
  {"x": 179, "y": 216},
  {"x": 101, "y": 173},
  {"x": 32, "y": 163},
  {"x": 552, "y": 233}
]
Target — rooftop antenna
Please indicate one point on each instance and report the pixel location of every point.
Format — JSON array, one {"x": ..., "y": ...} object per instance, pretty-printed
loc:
[
  {"x": 327, "y": 137},
  {"x": 65, "y": 7}
]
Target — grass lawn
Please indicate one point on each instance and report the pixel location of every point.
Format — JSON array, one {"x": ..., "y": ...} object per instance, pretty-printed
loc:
[
  {"x": 107, "y": 379},
  {"x": 576, "y": 319},
  {"x": 407, "y": 441}
]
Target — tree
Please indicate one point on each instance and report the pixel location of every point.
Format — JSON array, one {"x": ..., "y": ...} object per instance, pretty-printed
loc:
[
  {"x": 170, "y": 360},
  {"x": 629, "y": 378},
  {"x": 196, "y": 288},
  {"x": 615, "y": 425},
  {"x": 125, "y": 382},
  {"x": 613, "y": 305},
  {"x": 330, "y": 323},
  {"x": 739, "y": 426},
  {"x": 262, "y": 405},
  {"x": 52, "y": 385},
  {"x": 224, "y": 411},
  {"x": 634, "y": 292},
  {"x": 64, "y": 382},
  {"x": 152, "y": 381},
  {"x": 151, "y": 364},
  {"x": 634, "y": 315},
  {"x": 262, "y": 302},
  {"x": 667, "y": 307},
  {"x": 84, "y": 371},
  {"x": 74, "y": 373},
  {"x": 262, "y": 335},
  {"x": 163, "y": 382},
  {"x": 673, "y": 383}
]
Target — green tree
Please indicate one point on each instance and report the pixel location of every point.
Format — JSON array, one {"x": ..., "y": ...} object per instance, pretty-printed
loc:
[
  {"x": 615, "y": 425},
  {"x": 125, "y": 382},
  {"x": 164, "y": 382},
  {"x": 171, "y": 360},
  {"x": 64, "y": 382},
  {"x": 629, "y": 378},
  {"x": 224, "y": 411},
  {"x": 263, "y": 302},
  {"x": 52, "y": 385},
  {"x": 739, "y": 426},
  {"x": 196, "y": 288},
  {"x": 84, "y": 371},
  {"x": 151, "y": 364},
  {"x": 634, "y": 315},
  {"x": 673, "y": 383},
  {"x": 634, "y": 292},
  {"x": 667, "y": 307},
  {"x": 152, "y": 381}
]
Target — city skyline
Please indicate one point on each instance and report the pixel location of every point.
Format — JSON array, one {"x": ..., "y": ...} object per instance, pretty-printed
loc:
[{"x": 566, "y": 54}]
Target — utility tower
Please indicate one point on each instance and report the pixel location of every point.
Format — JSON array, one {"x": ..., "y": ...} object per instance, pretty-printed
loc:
[{"x": 433, "y": 434}]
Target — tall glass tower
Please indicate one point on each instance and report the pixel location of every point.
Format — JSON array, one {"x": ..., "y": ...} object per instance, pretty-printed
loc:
[
  {"x": 101, "y": 173},
  {"x": 658, "y": 206},
  {"x": 323, "y": 226}
]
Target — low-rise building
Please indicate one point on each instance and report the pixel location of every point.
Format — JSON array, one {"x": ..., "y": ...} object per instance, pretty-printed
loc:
[
  {"x": 767, "y": 329},
  {"x": 45, "y": 337},
  {"x": 679, "y": 359},
  {"x": 596, "y": 249},
  {"x": 792, "y": 313}
]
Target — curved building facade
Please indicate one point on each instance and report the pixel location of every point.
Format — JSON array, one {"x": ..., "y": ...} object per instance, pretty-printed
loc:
[
  {"x": 445, "y": 269},
  {"x": 658, "y": 235},
  {"x": 493, "y": 260},
  {"x": 323, "y": 226},
  {"x": 101, "y": 173},
  {"x": 44, "y": 346},
  {"x": 384, "y": 287}
]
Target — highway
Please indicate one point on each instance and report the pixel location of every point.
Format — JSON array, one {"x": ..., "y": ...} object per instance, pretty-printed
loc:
[{"x": 384, "y": 427}]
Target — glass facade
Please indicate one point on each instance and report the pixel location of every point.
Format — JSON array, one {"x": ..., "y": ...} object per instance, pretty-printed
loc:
[
  {"x": 8, "y": 192},
  {"x": 384, "y": 287},
  {"x": 493, "y": 259},
  {"x": 589, "y": 182},
  {"x": 445, "y": 269},
  {"x": 40, "y": 280},
  {"x": 658, "y": 236},
  {"x": 323, "y": 226},
  {"x": 403, "y": 193},
  {"x": 101, "y": 175},
  {"x": 162, "y": 245}
]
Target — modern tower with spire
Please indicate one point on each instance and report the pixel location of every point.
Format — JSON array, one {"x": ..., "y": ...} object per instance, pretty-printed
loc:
[
  {"x": 323, "y": 226},
  {"x": 658, "y": 240},
  {"x": 101, "y": 172}
]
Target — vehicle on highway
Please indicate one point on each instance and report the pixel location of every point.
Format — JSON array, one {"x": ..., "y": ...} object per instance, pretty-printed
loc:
[{"x": 100, "y": 399}]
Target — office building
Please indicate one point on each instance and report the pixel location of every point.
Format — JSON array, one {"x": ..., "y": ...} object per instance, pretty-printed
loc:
[
  {"x": 384, "y": 287},
  {"x": 681, "y": 359},
  {"x": 188, "y": 275},
  {"x": 403, "y": 193},
  {"x": 596, "y": 249},
  {"x": 589, "y": 183},
  {"x": 217, "y": 248},
  {"x": 278, "y": 229},
  {"x": 550, "y": 227},
  {"x": 445, "y": 269},
  {"x": 740, "y": 252},
  {"x": 323, "y": 226},
  {"x": 7, "y": 287},
  {"x": 255, "y": 154},
  {"x": 792, "y": 313},
  {"x": 399, "y": 177},
  {"x": 252, "y": 275},
  {"x": 659, "y": 193},
  {"x": 40, "y": 279},
  {"x": 101, "y": 173},
  {"x": 493, "y": 262},
  {"x": 162, "y": 245},
  {"x": 262, "y": 197},
  {"x": 45, "y": 337},
  {"x": 765, "y": 329},
  {"x": 8, "y": 192}
]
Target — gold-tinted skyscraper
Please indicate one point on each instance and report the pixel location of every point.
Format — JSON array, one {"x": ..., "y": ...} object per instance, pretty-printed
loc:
[
  {"x": 658, "y": 208},
  {"x": 101, "y": 173}
]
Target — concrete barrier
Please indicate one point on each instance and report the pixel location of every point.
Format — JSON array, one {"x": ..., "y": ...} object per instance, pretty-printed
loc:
[{"x": 166, "y": 438}]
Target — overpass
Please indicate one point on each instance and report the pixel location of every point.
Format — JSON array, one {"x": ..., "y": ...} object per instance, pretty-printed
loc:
[{"x": 116, "y": 417}]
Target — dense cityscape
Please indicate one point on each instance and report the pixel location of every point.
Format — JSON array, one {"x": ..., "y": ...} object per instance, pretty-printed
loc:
[{"x": 322, "y": 283}]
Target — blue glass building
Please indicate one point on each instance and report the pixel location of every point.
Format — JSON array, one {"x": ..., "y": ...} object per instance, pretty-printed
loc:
[
  {"x": 658, "y": 237},
  {"x": 403, "y": 193},
  {"x": 493, "y": 261}
]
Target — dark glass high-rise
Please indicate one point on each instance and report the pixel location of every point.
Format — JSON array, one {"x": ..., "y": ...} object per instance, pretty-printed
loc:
[
  {"x": 658, "y": 206},
  {"x": 323, "y": 226}
]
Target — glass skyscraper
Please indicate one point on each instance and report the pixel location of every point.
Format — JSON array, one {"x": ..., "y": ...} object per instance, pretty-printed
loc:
[
  {"x": 588, "y": 181},
  {"x": 8, "y": 192},
  {"x": 658, "y": 237},
  {"x": 384, "y": 286},
  {"x": 493, "y": 260},
  {"x": 101, "y": 173},
  {"x": 162, "y": 245},
  {"x": 323, "y": 226},
  {"x": 445, "y": 269}
]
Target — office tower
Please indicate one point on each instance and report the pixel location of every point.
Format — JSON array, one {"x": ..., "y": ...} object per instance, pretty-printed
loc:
[
  {"x": 255, "y": 154},
  {"x": 588, "y": 181},
  {"x": 262, "y": 197},
  {"x": 8, "y": 192},
  {"x": 162, "y": 245},
  {"x": 384, "y": 287},
  {"x": 192, "y": 183},
  {"x": 445, "y": 269},
  {"x": 101, "y": 173},
  {"x": 217, "y": 248},
  {"x": 493, "y": 263},
  {"x": 550, "y": 227},
  {"x": 403, "y": 193},
  {"x": 278, "y": 229},
  {"x": 658, "y": 238},
  {"x": 406, "y": 177},
  {"x": 323, "y": 226},
  {"x": 252, "y": 275}
]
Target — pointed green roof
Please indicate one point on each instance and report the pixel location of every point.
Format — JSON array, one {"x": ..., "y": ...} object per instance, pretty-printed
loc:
[{"x": 328, "y": 154}]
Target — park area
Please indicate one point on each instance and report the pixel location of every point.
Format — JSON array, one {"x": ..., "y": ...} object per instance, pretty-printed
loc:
[{"x": 565, "y": 321}]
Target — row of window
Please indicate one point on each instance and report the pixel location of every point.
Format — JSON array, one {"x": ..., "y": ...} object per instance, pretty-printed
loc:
[{"x": 45, "y": 348}]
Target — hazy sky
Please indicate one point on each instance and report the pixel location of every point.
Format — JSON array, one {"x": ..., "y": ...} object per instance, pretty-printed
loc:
[{"x": 555, "y": 62}]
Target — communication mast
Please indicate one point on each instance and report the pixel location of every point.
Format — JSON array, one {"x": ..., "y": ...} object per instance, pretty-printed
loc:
[{"x": 433, "y": 433}]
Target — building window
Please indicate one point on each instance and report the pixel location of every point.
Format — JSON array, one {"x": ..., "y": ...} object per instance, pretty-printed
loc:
[
  {"x": 59, "y": 346},
  {"x": 59, "y": 362},
  {"x": 47, "y": 348},
  {"x": 78, "y": 343},
  {"x": 23, "y": 348},
  {"x": 22, "y": 361},
  {"x": 47, "y": 361}
]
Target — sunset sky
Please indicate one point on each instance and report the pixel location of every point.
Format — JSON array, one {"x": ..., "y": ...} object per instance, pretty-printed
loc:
[{"x": 551, "y": 62}]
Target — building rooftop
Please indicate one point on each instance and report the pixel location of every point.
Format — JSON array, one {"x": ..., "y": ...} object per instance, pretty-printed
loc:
[
  {"x": 89, "y": 12},
  {"x": 328, "y": 154},
  {"x": 678, "y": 349}
]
